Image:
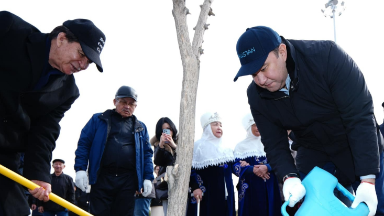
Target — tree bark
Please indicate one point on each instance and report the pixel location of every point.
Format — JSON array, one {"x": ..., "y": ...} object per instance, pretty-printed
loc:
[{"x": 179, "y": 175}]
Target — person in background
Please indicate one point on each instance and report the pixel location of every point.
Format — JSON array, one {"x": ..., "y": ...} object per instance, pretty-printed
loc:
[
  {"x": 165, "y": 148},
  {"x": 156, "y": 204},
  {"x": 258, "y": 189},
  {"x": 62, "y": 186},
  {"x": 211, "y": 176},
  {"x": 316, "y": 90},
  {"x": 36, "y": 89},
  {"x": 114, "y": 147}
]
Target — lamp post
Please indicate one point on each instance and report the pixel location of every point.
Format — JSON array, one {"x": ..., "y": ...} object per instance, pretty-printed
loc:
[{"x": 330, "y": 10}]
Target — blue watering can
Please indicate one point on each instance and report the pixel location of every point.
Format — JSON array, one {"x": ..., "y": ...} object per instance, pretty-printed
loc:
[{"x": 320, "y": 200}]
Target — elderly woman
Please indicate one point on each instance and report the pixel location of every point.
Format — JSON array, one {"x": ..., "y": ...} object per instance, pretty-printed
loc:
[
  {"x": 211, "y": 176},
  {"x": 258, "y": 188}
]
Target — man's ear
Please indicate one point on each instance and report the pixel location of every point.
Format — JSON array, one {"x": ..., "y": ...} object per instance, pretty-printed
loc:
[
  {"x": 283, "y": 51},
  {"x": 61, "y": 38},
  {"x": 114, "y": 102}
]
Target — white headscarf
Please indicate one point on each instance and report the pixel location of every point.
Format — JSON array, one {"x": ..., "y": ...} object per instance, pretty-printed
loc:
[
  {"x": 251, "y": 146},
  {"x": 210, "y": 150}
]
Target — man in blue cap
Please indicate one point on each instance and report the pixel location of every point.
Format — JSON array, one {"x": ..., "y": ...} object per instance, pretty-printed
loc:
[
  {"x": 36, "y": 89},
  {"x": 316, "y": 90}
]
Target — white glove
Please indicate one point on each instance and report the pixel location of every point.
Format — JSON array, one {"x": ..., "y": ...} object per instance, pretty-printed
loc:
[
  {"x": 366, "y": 192},
  {"x": 293, "y": 187},
  {"x": 147, "y": 187},
  {"x": 82, "y": 180}
]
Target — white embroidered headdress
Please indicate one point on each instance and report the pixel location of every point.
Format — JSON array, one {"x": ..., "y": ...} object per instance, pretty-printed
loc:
[
  {"x": 210, "y": 150},
  {"x": 251, "y": 146}
]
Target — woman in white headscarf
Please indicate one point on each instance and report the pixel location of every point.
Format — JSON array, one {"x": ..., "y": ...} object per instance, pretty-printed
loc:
[
  {"x": 211, "y": 176},
  {"x": 258, "y": 188}
]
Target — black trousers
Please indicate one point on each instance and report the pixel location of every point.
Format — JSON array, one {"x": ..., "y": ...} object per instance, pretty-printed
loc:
[
  {"x": 13, "y": 200},
  {"x": 114, "y": 194}
]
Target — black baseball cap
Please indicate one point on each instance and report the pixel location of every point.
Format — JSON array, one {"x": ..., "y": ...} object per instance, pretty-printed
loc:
[
  {"x": 253, "y": 48},
  {"x": 91, "y": 39},
  {"x": 60, "y": 160}
]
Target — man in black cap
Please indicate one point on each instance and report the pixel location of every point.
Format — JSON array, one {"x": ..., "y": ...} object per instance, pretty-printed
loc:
[
  {"x": 114, "y": 147},
  {"x": 36, "y": 89},
  {"x": 316, "y": 90},
  {"x": 62, "y": 186}
]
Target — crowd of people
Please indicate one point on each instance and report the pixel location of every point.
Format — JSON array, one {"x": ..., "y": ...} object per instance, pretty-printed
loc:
[{"x": 309, "y": 104}]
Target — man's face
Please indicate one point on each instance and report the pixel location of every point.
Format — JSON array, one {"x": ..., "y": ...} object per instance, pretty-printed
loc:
[
  {"x": 217, "y": 129},
  {"x": 125, "y": 106},
  {"x": 273, "y": 73},
  {"x": 69, "y": 57},
  {"x": 58, "y": 167}
]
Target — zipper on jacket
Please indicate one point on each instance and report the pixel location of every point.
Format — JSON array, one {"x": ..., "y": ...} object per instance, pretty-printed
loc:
[{"x": 286, "y": 96}]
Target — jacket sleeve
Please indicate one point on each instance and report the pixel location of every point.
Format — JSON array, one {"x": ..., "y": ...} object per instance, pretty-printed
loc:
[
  {"x": 240, "y": 171},
  {"x": 354, "y": 103},
  {"x": 275, "y": 140},
  {"x": 84, "y": 145},
  {"x": 42, "y": 141},
  {"x": 148, "y": 154},
  {"x": 193, "y": 183},
  {"x": 71, "y": 190},
  {"x": 163, "y": 157}
]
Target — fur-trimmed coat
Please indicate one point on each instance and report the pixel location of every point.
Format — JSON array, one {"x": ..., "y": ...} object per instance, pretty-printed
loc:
[{"x": 163, "y": 157}]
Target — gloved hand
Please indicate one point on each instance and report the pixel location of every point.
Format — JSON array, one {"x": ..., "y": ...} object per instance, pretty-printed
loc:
[
  {"x": 366, "y": 192},
  {"x": 82, "y": 180},
  {"x": 292, "y": 186},
  {"x": 147, "y": 187}
]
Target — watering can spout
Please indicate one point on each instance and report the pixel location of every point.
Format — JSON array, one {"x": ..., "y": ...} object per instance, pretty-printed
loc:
[{"x": 320, "y": 199}]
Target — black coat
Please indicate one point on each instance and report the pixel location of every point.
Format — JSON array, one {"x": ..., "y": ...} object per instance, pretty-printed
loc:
[
  {"x": 329, "y": 109},
  {"x": 163, "y": 157},
  {"x": 30, "y": 119},
  {"x": 63, "y": 187}
]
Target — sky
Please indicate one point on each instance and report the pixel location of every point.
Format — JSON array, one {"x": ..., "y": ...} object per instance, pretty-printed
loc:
[{"x": 141, "y": 51}]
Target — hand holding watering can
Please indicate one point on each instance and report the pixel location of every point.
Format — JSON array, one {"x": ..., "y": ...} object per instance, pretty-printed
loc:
[{"x": 318, "y": 187}]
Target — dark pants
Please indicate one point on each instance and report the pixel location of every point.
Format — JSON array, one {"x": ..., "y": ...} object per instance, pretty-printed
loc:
[
  {"x": 13, "y": 200},
  {"x": 142, "y": 206},
  {"x": 114, "y": 194}
]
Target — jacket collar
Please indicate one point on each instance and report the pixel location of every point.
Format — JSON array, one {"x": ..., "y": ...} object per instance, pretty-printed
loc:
[
  {"x": 292, "y": 68},
  {"x": 106, "y": 116}
]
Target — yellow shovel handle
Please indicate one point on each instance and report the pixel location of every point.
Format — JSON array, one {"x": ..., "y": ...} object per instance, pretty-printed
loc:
[{"x": 29, "y": 184}]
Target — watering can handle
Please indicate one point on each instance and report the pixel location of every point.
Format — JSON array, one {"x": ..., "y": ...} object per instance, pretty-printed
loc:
[
  {"x": 345, "y": 192},
  {"x": 284, "y": 207}
]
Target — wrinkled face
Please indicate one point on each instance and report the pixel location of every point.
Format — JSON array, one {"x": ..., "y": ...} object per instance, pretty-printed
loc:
[
  {"x": 217, "y": 129},
  {"x": 255, "y": 130},
  {"x": 68, "y": 57},
  {"x": 273, "y": 73},
  {"x": 125, "y": 106},
  {"x": 58, "y": 167},
  {"x": 166, "y": 126}
]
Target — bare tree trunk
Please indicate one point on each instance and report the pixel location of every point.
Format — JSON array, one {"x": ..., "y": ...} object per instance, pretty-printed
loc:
[{"x": 178, "y": 176}]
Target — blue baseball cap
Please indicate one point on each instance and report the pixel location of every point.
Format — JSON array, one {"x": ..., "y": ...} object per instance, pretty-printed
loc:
[{"x": 253, "y": 48}]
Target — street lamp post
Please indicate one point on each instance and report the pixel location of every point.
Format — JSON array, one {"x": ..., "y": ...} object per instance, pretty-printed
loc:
[{"x": 330, "y": 11}]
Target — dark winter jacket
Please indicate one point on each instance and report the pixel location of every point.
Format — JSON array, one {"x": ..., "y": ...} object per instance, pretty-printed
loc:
[
  {"x": 329, "y": 109},
  {"x": 163, "y": 157},
  {"x": 29, "y": 120},
  {"x": 63, "y": 187},
  {"x": 92, "y": 143}
]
